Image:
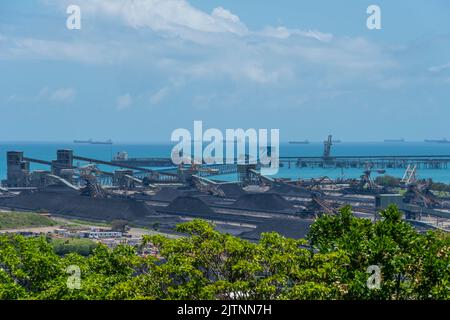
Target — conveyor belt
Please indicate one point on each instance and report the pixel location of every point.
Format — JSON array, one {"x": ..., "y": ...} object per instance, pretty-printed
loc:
[
  {"x": 108, "y": 163},
  {"x": 139, "y": 181},
  {"x": 37, "y": 161},
  {"x": 112, "y": 164},
  {"x": 64, "y": 181},
  {"x": 49, "y": 164}
]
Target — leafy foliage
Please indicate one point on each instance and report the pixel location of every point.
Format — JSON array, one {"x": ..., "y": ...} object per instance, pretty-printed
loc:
[
  {"x": 330, "y": 264},
  {"x": 83, "y": 247}
]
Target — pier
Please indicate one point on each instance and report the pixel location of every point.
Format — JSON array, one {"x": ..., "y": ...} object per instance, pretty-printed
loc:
[{"x": 376, "y": 162}]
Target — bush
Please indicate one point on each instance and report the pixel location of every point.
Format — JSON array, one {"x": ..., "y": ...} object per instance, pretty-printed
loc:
[{"x": 83, "y": 247}]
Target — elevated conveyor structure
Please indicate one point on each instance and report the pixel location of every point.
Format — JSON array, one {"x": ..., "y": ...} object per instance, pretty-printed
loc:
[
  {"x": 63, "y": 181},
  {"x": 112, "y": 164}
]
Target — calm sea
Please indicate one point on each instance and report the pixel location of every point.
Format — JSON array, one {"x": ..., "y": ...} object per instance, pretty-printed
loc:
[{"x": 47, "y": 151}]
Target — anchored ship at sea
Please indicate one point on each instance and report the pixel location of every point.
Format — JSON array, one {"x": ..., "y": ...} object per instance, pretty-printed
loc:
[
  {"x": 299, "y": 142},
  {"x": 90, "y": 141},
  {"x": 307, "y": 141},
  {"x": 444, "y": 140}
]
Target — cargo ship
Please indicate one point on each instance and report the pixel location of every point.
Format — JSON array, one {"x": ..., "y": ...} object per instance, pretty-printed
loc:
[
  {"x": 299, "y": 142},
  {"x": 444, "y": 140},
  {"x": 90, "y": 141},
  {"x": 394, "y": 140}
]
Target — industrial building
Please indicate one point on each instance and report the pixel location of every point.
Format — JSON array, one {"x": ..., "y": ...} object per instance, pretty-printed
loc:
[{"x": 253, "y": 204}]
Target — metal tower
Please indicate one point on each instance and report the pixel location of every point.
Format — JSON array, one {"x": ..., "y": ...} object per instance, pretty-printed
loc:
[{"x": 327, "y": 147}]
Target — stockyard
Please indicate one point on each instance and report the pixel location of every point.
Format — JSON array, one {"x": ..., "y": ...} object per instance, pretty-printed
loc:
[{"x": 246, "y": 208}]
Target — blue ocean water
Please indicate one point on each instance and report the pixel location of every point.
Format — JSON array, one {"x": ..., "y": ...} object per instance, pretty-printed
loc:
[{"x": 47, "y": 151}]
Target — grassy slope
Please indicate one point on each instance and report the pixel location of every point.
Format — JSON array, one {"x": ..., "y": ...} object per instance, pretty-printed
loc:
[{"x": 17, "y": 220}]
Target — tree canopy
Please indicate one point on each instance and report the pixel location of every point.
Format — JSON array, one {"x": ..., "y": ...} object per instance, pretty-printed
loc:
[{"x": 331, "y": 263}]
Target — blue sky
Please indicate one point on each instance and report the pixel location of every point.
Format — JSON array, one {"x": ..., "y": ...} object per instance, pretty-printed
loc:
[{"x": 139, "y": 69}]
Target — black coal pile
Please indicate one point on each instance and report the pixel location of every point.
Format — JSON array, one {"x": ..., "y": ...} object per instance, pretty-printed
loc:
[
  {"x": 206, "y": 198},
  {"x": 73, "y": 204},
  {"x": 286, "y": 189},
  {"x": 188, "y": 205},
  {"x": 167, "y": 194},
  {"x": 264, "y": 202},
  {"x": 290, "y": 228},
  {"x": 232, "y": 190}
]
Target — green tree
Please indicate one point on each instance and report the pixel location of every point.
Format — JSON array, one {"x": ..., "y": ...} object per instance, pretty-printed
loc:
[
  {"x": 404, "y": 256},
  {"x": 330, "y": 264}
]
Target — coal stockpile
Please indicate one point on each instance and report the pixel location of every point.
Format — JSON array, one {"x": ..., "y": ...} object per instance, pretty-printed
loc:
[
  {"x": 190, "y": 205},
  {"x": 167, "y": 194},
  {"x": 290, "y": 228},
  {"x": 73, "y": 204},
  {"x": 264, "y": 202},
  {"x": 232, "y": 190},
  {"x": 196, "y": 208},
  {"x": 210, "y": 200},
  {"x": 286, "y": 189}
]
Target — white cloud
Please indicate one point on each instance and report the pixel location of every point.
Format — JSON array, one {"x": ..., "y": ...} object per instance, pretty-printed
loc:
[
  {"x": 285, "y": 33},
  {"x": 256, "y": 73},
  {"x": 174, "y": 16},
  {"x": 228, "y": 21},
  {"x": 46, "y": 94},
  {"x": 60, "y": 95},
  {"x": 124, "y": 102},
  {"x": 212, "y": 46},
  {"x": 63, "y": 95},
  {"x": 159, "y": 96},
  {"x": 439, "y": 68},
  {"x": 44, "y": 49}
]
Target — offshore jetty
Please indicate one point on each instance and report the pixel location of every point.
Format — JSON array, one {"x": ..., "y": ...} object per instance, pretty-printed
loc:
[
  {"x": 326, "y": 160},
  {"x": 247, "y": 207}
]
